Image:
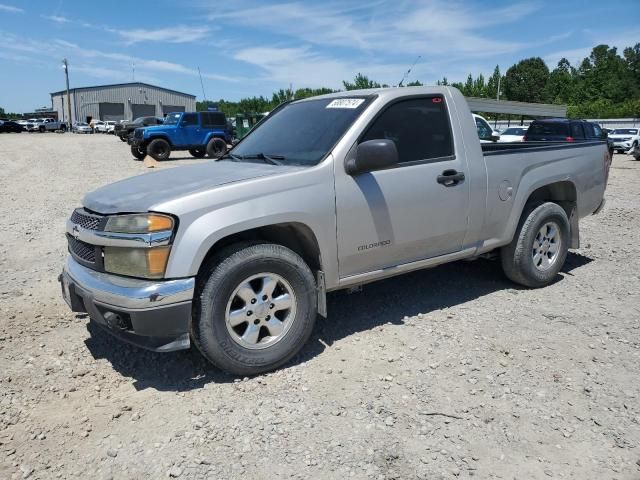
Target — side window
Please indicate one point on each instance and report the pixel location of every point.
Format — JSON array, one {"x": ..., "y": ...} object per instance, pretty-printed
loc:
[
  {"x": 189, "y": 119},
  {"x": 419, "y": 128},
  {"x": 484, "y": 130},
  {"x": 576, "y": 130},
  {"x": 213, "y": 119}
]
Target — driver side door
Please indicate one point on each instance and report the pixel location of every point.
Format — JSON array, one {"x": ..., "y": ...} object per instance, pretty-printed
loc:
[
  {"x": 404, "y": 213},
  {"x": 189, "y": 131}
]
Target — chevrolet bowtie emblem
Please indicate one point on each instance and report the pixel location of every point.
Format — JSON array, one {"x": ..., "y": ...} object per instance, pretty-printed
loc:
[{"x": 75, "y": 232}]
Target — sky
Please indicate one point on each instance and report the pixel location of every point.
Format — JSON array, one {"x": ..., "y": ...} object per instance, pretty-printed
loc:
[{"x": 256, "y": 47}]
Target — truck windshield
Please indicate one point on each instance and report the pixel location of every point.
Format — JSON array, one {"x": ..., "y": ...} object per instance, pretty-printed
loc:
[
  {"x": 301, "y": 133},
  {"x": 172, "y": 119}
]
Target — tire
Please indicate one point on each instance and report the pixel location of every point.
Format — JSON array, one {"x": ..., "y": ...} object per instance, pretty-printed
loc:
[
  {"x": 159, "y": 149},
  {"x": 220, "y": 293},
  {"x": 216, "y": 147},
  {"x": 527, "y": 266},
  {"x": 42, "y": 129},
  {"x": 63, "y": 127},
  {"x": 123, "y": 138},
  {"x": 197, "y": 152},
  {"x": 138, "y": 152}
]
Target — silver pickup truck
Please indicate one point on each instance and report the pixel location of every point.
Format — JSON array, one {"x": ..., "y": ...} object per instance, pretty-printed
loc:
[{"x": 327, "y": 193}]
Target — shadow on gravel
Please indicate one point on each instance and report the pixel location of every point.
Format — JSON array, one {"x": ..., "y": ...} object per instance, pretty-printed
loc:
[{"x": 386, "y": 301}]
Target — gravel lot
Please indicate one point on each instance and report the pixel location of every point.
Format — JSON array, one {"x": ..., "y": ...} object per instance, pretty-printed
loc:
[{"x": 445, "y": 373}]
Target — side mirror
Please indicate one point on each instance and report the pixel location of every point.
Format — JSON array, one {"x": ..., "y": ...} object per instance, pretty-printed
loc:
[
  {"x": 372, "y": 155},
  {"x": 495, "y": 136}
]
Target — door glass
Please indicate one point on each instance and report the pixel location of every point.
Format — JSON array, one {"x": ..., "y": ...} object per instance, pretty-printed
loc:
[
  {"x": 189, "y": 119},
  {"x": 419, "y": 127},
  {"x": 484, "y": 130},
  {"x": 576, "y": 130}
]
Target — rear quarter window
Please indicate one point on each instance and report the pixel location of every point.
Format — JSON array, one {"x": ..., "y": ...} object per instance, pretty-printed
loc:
[{"x": 548, "y": 129}]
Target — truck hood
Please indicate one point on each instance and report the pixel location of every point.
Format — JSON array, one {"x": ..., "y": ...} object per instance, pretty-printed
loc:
[
  {"x": 141, "y": 193},
  {"x": 160, "y": 128}
]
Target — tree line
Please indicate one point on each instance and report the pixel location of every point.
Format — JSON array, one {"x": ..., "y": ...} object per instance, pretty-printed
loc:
[{"x": 605, "y": 84}]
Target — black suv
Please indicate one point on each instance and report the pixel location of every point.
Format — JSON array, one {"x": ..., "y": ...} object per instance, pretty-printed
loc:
[
  {"x": 565, "y": 130},
  {"x": 124, "y": 129}
]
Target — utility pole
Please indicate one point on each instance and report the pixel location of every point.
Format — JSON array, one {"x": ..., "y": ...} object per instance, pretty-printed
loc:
[
  {"x": 499, "y": 78},
  {"x": 133, "y": 72},
  {"x": 66, "y": 74}
]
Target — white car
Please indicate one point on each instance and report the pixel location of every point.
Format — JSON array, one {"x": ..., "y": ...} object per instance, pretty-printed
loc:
[
  {"x": 81, "y": 127},
  {"x": 624, "y": 138},
  {"x": 104, "y": 126},
  {"x": 513, "y": 134},
  {"x": 485, "y": 132}
]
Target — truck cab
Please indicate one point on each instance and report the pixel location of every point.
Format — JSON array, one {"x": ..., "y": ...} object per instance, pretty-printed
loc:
[{"x": 201, "y": 133}]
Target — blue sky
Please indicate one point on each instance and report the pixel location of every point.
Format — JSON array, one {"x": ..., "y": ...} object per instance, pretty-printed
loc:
[{"x": 253, "y": 48}]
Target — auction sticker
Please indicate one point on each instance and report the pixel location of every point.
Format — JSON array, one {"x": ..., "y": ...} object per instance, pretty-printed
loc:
[{"x": 346, "y": 103}]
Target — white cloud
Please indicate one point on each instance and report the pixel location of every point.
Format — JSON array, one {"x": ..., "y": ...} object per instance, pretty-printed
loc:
[
  {"x": 56, "y": 18},
  {"x": 177, "y": 34},
  {"x": 10, "y": 8},
  {"x": 620, "y": 40}
]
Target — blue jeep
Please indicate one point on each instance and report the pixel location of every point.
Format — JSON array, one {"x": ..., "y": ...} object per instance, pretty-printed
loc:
[{"x": 202, "y": 133}]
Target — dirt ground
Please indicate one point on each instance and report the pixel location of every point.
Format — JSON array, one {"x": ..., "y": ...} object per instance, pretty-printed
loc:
[{"x": 446, "y": 373}]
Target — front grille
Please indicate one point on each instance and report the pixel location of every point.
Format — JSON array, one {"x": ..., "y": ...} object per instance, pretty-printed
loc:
[
  {"x": 85, "y": 220},
  {"x": 138, "y": 133},
  {"x": 82, "y": 250}
]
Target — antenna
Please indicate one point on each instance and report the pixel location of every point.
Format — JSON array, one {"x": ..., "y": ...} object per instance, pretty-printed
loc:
[
  {"x": 204, "y": 95},
  {"x": 409, "y": 71}
]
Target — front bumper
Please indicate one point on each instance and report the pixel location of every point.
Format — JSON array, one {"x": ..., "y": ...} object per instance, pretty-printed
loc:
[
  {"x": 622, "y": 145},
  {"x": 151, "y": 314},
  {"x": 135, "y": 142}
]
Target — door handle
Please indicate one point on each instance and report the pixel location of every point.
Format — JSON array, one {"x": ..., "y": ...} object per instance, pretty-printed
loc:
[{"x": 449, "y": 178}]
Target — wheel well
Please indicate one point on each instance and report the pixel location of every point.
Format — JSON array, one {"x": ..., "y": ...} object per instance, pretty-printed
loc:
[
  {"x": 158, "y": 137},
  {"x": 295, "y": 236},
  {"x": 563, "y": 193}
]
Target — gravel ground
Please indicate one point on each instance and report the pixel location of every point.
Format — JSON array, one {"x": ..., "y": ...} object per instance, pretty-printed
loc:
[{"x": 445, "y": 373}]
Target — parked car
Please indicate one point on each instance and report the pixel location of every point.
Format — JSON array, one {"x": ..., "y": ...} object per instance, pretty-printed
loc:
[
  {"x": 96, "y": 124},
  {"x": 201, "y": 133},
  {"x": 513, "y": 134},
  {"x": 485, "y": 132},
  {"x": 601, "y": 134},
  {"x": 326, "y": 193},
  {"x": 625, "y": 138},
  {"x": 32, "y": 125},
  {"x": 81, "y": 127},
  {"x": 8, "y": 126},
  {"x": 50, "y": 125},
  {"x": 126, "y": 128},
  {"x": 106, "y": 126},
  {"x": 635, "y": 152}
]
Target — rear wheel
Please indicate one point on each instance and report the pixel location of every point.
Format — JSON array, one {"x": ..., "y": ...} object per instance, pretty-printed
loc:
[
  {"x": 63, "y": 127},
  {"x": 197, "y": 152},
  {"x": 138, "y": 152},
  {"x": 216, "y": 147},
  {"x": 539, "y": 248},
  {"x": 159, "y": 149},
  {"x": 255, "y": 309}
]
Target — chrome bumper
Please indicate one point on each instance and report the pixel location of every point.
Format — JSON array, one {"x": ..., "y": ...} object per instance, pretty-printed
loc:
[
  {"x": 129, "y": 293},
  {"x": 155, "y": 315}
]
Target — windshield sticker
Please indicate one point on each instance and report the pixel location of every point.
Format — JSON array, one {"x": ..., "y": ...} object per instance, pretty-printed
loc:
[{"x": 346, "y": 103}]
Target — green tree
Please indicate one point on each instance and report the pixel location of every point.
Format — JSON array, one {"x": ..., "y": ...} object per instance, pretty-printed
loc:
[
  {"x": 360, "y": 82},
  {"x": 561, "y": 83},
  {"x": 491, "y": 90},
  {"x": 415, "y": 83},
  {"x": 526, "y": 81}
]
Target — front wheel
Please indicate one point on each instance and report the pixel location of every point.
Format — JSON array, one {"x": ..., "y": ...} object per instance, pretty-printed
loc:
[
  {"x": 197, "y": 152},
  {"x": 255, "y": 309},
  {"x": 138, "y": 152},
  {"x": 123, "y": 138},
  {"x": 159, "y": 149},
  {"x": 539, "y": 248},
  {"x": 216, "y": 148}
]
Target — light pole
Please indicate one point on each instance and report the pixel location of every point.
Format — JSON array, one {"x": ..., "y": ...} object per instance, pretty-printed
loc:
[{"x": 66, "y": 74}]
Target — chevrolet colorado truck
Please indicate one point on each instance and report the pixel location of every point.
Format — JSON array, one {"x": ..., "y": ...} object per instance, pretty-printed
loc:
[
  {"x": 327, "y": 193},
  {"x": 201, "y": 133}
]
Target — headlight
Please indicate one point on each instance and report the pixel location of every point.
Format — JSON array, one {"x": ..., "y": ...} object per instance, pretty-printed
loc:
[
  {"x": 136, "y": 262},
  {"x": 139, "y": 223}
]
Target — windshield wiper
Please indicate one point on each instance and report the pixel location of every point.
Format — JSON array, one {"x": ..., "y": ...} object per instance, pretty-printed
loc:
[{"x": 272, "y": 159}]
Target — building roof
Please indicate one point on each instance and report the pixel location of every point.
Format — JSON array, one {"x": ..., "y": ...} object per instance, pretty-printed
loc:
[{"x": 130, "y": 84}]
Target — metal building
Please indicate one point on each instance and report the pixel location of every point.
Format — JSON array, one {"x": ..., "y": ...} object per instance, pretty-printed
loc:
[{"x": 123, "y": 101}]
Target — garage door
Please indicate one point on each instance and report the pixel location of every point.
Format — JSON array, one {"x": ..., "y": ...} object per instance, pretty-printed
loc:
[
  {"x": 111, "y": 111},
  {"x": 171, "y": 108},
  {"x": 142, "y": 110}
]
